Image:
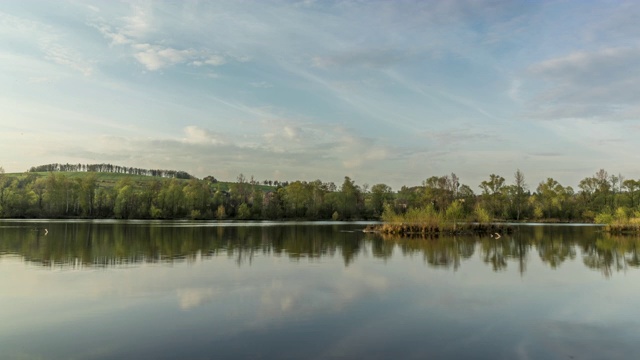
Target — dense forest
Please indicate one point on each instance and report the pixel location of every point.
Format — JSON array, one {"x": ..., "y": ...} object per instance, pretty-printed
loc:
[{"x": 60, "y": 194}]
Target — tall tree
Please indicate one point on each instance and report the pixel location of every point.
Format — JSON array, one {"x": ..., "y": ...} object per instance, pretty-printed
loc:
[
  {"x": 553, "y": 197},
  {"x": 349, "y": 199},
  {"x": 381, "y": 194},
  {"x": 297, "y": 197},
  {"x": 87, "y": 185},
  {"x": 196, "y": 196},
  {"x": 520, "y": 192},
  {"x": 440, "y": 191},
  {"x": 632, "y": 187},
  {"x": 492, "y": 194}
]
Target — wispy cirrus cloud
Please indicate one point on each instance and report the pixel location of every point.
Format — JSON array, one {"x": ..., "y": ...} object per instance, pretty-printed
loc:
[
  {"x": 138, "y": 32},
  {"x": 374, "y": 58},
  {"x": 51, "y": 42}
]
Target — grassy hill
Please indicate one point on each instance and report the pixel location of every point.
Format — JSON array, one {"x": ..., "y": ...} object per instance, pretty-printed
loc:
[{"x": 109, "y": 179}]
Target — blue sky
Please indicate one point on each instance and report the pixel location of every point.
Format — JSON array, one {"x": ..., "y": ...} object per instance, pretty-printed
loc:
[{"x": 382, "y": 91}]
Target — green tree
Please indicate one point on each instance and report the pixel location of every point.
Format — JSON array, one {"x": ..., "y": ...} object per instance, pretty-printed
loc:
[
  {"x": 38, "y": 187},
  {"x": 244, "y": 212},
  {"x": 297, "y": 198},
  {"x": 56, "y": 194},
  {"x": 553, "y": 198},
  {"x": 632, "y": 188},
  {"x": 126, "y": 202},
  {"x": 381, "y": 194},
  {"x": 440, "y": 191},
  {"x": 454, "y": 213},
  {"x": 171, "y": 199},
  {"x": 493, "y": 194},
  {"x": 87, "y": 185},
  {"x": 350, "y": 199},
  {"x": 406, "y": 198},
  {"x": 196, "y": 196},
  {"x": 274, "y": 205},
  {"x": 5, "y": 183},
  {"x": 257, "y": 203},
  {"x": 318, "y": 207},
  {"x": 241, "y": 189},
  {"x": 18, "y": 199}
]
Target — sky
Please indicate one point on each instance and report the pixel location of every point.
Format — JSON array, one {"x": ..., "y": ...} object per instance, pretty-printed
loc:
[{"x": 387, "y": 92}]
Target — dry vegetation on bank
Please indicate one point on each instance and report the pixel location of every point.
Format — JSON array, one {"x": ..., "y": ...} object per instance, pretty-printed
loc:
[{"x": 428, "y": 222}]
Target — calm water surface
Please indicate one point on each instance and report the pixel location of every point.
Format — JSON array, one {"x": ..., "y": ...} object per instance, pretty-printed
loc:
[{"x": 202, "y": 290}]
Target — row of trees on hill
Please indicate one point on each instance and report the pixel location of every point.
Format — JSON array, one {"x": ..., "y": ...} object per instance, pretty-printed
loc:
[
  {"x": 110, "y": 168},
  {"x": 59, "y": 195}
]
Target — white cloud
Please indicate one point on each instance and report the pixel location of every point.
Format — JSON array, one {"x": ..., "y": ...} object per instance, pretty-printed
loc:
[
  {"x": 138, "y": 31},
  {"x": 139, "y": 22},
  {"x": 117, "y": 38},
  {"x": 600, "y": 84},
  {"x": 290, "y": 132},
  {"x": 155, "y": 57},
  {"x": 215, "y": 60},
  {"x": 197, "y": 135}
]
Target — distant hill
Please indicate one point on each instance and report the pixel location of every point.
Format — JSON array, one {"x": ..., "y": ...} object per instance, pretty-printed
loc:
[
  {"x": 109, "y": 179},
  {"x": 110, "y": 168}
]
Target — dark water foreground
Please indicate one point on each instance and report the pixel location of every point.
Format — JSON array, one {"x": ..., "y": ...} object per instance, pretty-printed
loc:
[{"x": 165, "y": 290}]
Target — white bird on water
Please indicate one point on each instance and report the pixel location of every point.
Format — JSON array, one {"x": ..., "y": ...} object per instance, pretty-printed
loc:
[{"x": 46, "y": 232}]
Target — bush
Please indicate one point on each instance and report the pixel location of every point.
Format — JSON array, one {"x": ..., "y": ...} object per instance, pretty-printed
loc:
[
  {"x": 482, "y": 216},
  {"x": 604, "y": 218},
  {"x": 244, "y": 212}
]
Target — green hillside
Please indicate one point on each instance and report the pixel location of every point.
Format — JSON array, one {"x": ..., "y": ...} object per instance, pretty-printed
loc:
[{"x": 109, "y": 179}]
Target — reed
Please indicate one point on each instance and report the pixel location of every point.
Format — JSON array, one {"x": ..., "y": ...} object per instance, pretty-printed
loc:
[{"x": 429, "y": 222}]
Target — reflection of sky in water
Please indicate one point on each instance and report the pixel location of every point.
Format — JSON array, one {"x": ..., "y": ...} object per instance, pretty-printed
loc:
[{"x": 277, "y": 307}]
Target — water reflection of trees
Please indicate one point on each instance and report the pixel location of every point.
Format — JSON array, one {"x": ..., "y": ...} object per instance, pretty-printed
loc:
[
  {"x": 557, "y": 244},
  {"x": 554, "y": 245},
  {"x": 611, "y": 253},
  {"x": 116, "y": 244},
  {"x": 110, "y": 244},
  {"x": 445, "y": 252}
]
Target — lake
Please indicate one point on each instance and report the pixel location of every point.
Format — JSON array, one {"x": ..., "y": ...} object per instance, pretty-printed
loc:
[{"x": 209, "y": 290}]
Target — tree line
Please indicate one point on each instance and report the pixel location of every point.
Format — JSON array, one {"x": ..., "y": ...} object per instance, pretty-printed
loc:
[
  {"x": 57, "y": 195},
  {"x": 110, "y": 168}
]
